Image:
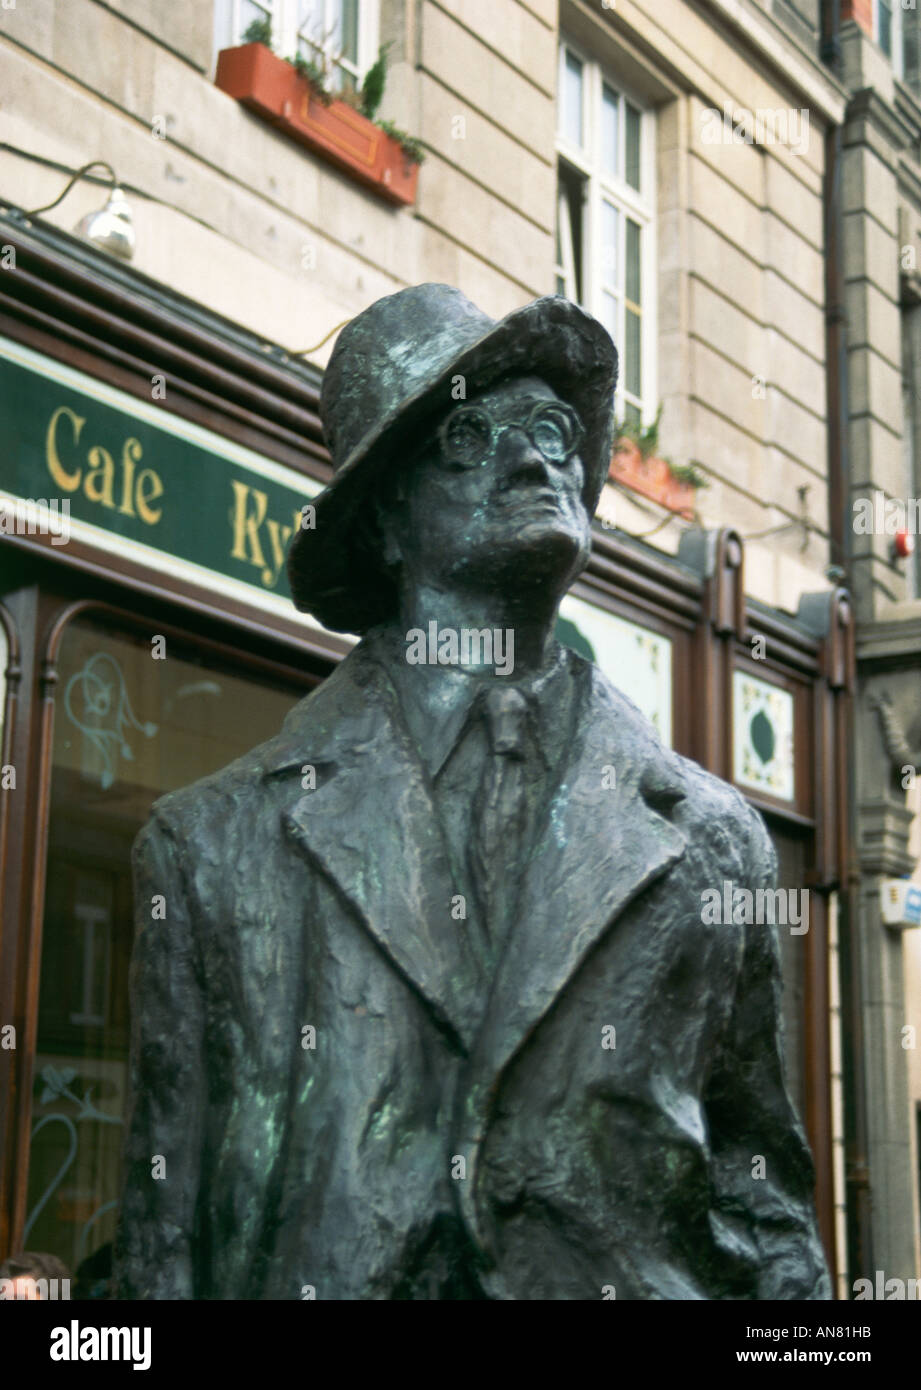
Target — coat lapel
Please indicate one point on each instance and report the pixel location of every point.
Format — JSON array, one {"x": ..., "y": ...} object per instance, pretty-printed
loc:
[
  {"x": 372, "y": 828},
  {"x": 601, "y": 846}
]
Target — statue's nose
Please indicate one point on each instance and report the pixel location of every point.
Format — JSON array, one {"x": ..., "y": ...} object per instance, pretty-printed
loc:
[{"x": 522, "y": 462}]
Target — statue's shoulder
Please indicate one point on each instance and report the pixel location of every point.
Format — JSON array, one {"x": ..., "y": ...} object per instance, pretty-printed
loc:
[
  {"x": 256, "y": 782},
  {"x": 720, "y": 816}
]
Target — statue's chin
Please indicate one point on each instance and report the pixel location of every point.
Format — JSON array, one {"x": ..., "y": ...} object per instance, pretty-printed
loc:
[{"x": 537, "y": 554}]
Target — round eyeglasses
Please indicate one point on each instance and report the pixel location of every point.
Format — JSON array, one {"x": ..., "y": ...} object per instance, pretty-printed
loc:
[{"x": 470, "y": 433}]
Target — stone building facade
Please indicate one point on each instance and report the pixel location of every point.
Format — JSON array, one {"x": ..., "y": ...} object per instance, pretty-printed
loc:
[{"x": 233, "y": 214}]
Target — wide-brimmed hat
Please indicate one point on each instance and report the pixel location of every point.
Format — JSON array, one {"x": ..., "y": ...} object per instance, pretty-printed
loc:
[{"x": 394, "y": 372}]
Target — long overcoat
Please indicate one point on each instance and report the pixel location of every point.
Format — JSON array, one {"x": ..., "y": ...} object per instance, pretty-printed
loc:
[{"x": 323, "y": 1085}]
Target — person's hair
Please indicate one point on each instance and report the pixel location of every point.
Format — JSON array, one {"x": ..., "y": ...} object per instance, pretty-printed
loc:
[{"x": 33, "y": 1264}]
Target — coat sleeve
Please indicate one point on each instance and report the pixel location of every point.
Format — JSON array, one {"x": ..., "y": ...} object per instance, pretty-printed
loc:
[
  {"x": 765, "y": 1209},
  {"x": 155, "y": 1244}
]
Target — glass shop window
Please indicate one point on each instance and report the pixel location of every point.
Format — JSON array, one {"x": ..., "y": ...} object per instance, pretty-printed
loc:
[
  {"x": 4, "y": 655},
  {"x": 792, "y": 853},
  {"x": 128, "y": 728}
]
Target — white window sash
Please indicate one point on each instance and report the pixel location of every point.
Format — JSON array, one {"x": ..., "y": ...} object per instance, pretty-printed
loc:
[
  {"x": 638, "y": 206},
  {"x": 896, "y": 58},
  {"x": 567, "y": 265},
  {"x": 368, "y": 29}
]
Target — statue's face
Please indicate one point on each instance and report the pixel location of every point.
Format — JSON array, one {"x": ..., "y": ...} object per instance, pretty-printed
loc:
[{"x": 495, "y": 501}]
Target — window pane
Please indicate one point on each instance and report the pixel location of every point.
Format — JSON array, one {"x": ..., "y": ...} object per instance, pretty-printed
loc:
[
  {"x": 310, "y": 18},
  {"x": 4, "y": 655},
  {"x": 609, "y": 258},
  {"x": 885, "y": 28},
  {"x": 345, "y": 37},
  {"x": 632, "y": 252},
  {"x": 632, "y": 415},
  {"x": 609, "y": 314},
  {"x": 563, "y": 230},
  {"x": 249, "y": 11},
  {"x": 571, "y": 105},
  {"x": 310, "y": 51},
  {"x": 912, "y": 70},
  {"x": 609, "y": 147},
  {"x": 565, "y": 258},
  {"x": 126, "y": 730},
  {"x": 632, "y": 142},
  {"x": 311, "y": 27},
  {"x": 633, "y": 377},
  {"x": 569, "y": 229}
]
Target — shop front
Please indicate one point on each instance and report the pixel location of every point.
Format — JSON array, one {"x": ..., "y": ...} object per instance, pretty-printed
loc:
[{"x": 154, "y": 466}]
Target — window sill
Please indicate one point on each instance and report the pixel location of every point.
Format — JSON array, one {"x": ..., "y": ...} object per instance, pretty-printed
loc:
[{"x": 274, "y": 90}]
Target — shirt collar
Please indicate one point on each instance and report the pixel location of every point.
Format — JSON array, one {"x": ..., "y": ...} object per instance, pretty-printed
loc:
[{"x": 437, "y": 701}]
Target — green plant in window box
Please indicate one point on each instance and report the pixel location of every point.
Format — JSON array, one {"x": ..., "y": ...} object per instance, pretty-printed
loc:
[
  {"x": 411, "y": 147},
  {"x": 315, "y": 75},
  {"x": 367, "y": 100},
  {"x": 372, "y": 89},
  {"x": 260, "y": 31},
  {"x": 687, "y": 473},
  {"x": 646, "y": 439}
]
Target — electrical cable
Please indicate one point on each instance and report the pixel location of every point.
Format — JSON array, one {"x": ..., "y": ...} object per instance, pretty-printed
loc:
[
  {"x": 93, "y": 178},
  {"x": 93, "y": 164},
  {"x": 137, "y": 192}
]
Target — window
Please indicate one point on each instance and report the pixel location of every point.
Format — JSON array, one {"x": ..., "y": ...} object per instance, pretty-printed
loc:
[
  {"x": 126, "y": 730},
  {"x": 911, "y": 49},
  {"x": 887, "y": 30},
  {"x": 339, "y": 35},
  {"x": 604, "y": 225}
]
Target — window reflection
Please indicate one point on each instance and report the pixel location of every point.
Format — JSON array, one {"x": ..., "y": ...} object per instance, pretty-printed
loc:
[{"x": 130, "y": 725}]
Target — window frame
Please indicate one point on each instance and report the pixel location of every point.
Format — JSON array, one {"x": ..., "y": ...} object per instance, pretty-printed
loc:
[
  {"x": 214, "y": 637},
  {"x": 895, "y": 54},
  {"x": 637, "y": 205},
  {"x": 229, "y": 26}
]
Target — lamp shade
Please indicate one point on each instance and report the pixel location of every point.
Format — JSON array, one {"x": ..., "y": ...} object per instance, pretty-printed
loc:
[{"x": 111, "y": 228}]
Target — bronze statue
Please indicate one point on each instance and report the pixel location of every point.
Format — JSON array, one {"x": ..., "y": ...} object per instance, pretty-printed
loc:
[{"x": 433, "y": 1012}]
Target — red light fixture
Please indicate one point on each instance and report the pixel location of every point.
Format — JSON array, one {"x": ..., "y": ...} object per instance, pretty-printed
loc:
[{"x": 903, "y": 544}]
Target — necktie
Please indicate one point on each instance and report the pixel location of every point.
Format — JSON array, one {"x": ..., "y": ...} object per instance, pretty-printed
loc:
[{"x": 501, "y": 811}]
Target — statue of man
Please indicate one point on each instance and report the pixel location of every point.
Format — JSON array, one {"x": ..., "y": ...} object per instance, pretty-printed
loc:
[{"x": 433, "y": 1012}]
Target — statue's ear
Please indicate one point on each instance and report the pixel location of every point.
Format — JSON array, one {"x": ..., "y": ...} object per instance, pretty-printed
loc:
[
  {"x": 391, "y": 546},
  {"x": 389, "y": 517},
  {"x": 388, "y": 532}
]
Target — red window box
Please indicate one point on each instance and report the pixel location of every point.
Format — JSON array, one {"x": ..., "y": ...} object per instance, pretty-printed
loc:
[
  {"x": 275, "y": 90},
  {"x": 651, "y": 477}
]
